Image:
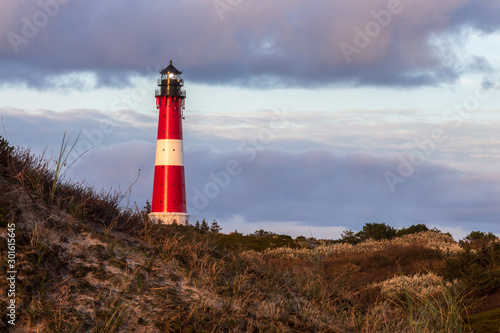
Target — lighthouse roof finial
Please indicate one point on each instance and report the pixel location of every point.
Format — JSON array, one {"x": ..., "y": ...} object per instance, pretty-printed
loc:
[{"x": 170, "y": 69}]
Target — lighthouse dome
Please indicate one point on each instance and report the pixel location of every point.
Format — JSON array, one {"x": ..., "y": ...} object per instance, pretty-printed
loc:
[{"x": 170, "y": 69}]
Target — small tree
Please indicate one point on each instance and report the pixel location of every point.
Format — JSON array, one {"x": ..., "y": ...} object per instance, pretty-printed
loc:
[
  {"x": 377, "y": 231},
  {"x": 215, "y": 228},
  {"x": 204, "y": 227},
  {"x": 348, "y": 236},
  {"x": 197, "y": 225}
]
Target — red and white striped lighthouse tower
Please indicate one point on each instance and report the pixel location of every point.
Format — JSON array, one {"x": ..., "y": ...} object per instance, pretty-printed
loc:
[{"x": 169, "y": 190}]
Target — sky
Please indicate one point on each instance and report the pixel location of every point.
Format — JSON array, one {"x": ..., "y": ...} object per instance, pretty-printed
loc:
[{"x": 302, "y": 117}]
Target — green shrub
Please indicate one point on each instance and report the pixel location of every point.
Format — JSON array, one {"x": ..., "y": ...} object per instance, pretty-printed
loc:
[
  {"x": 477, "y": 239},
  {"x": 377, "y": 231},
  {"x": 413, "y": 229},
  {"x": 478, "y": 269},
  {"x": 479, "y": 235}
]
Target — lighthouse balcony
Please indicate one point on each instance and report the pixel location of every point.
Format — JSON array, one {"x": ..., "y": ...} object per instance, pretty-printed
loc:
[{"x": 170, "y": 91}]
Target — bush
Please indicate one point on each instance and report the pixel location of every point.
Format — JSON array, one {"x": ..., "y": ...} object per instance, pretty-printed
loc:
[
  {"x": 377, "y": 231},
  {"x": 263, "y": 233},
  {"x": 413, "y": 229},
  {"x": 479, "y": 235},
  {"x": 478, "y": 269},
  {"x": 477, "y": 239}
]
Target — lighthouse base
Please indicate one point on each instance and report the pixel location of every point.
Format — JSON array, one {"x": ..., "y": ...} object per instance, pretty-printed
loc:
[{"x": 169, "y": 218}]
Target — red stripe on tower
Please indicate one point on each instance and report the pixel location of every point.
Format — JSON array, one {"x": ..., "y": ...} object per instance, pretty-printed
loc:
[{"x": 169, "y": 189}]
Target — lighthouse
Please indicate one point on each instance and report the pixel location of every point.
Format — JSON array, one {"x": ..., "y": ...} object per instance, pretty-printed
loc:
[{"x": 169, "y": 190}]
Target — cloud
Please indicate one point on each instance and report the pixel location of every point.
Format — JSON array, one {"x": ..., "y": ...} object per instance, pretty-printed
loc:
[
  {"x": 256, "y": 43},
  {"x": 126, "y": 167},
  {"x": 319, "y": 188},
  {"x": 41, "y": 129},
  {"x": 469, "y": 145}
]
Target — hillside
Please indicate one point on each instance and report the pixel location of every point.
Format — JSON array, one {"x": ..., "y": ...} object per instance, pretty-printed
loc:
[{"x": 80, "y": 263}]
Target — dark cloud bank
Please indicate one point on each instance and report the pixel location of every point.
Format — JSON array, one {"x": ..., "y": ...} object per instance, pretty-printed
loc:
[
  {"x": 315, "y": 188},
  {"x": 320, "y": 188},
  {"x": 283, "y": 43}
]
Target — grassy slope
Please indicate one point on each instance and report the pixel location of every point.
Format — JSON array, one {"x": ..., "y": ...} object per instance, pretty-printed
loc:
[
  {"x": 86, "y": 266},
  {"x": 488, "y": 321}
]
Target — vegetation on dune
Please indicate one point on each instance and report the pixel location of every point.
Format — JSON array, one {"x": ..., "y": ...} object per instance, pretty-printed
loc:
[{"x": 85, "y": 264}]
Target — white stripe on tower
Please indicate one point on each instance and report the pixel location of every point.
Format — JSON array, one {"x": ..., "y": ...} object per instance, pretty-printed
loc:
[{"x": 169, "y": 152}]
